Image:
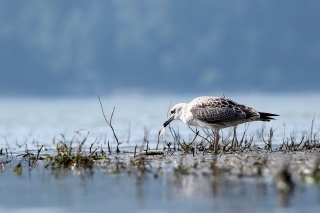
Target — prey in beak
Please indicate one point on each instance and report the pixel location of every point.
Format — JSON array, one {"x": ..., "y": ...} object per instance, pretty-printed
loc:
[{"x": 175, "y": 114}]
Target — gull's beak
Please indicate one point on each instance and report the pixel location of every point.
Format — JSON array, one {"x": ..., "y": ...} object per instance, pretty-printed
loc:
[{"x": 166, "y": 123}]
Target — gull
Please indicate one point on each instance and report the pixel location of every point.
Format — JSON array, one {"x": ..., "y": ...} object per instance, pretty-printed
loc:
[{"x": 214, "y": 113}]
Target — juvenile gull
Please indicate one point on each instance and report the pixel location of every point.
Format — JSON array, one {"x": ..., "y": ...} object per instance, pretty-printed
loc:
[{"x": 214, "y": 113}]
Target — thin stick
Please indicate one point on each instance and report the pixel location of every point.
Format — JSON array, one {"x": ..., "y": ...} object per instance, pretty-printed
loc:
[
  {"x": 36, "y": 159},
  {"x": 7, "y": 144},
  {"x": 197, "y": 133},
  {"x": 129, "y": 133},
  {"x": 158, "y": 140},
  {"x": 109, "y": 149},
  {"x": 92, "y": 145},
  {"x": 109, "y": 122},
  {"x": 91, "y": 153},
  {"x": 311, "y": 128}
]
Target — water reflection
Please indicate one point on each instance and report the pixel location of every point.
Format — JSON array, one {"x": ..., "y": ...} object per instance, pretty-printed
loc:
[
  {"x": 172, "y": 184},
  {"x": 232, "y": 193}
]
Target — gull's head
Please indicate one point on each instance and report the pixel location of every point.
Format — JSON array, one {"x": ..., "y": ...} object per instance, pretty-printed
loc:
[{"x": 175, "y": 113}]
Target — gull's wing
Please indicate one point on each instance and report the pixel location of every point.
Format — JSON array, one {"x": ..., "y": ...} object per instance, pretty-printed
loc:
[{"x": 215, "y": 110}]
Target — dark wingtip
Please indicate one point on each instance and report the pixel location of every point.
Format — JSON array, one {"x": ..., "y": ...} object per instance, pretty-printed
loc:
[{"x": 265, "y": 116}]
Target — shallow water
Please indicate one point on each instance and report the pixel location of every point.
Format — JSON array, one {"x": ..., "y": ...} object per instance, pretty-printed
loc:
[
  {"x": 42, "y": 121},
  {"x": 40, "y": 189}
]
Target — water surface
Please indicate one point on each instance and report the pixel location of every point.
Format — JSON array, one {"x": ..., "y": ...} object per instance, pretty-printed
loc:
[{"x": 34, "y": 122}]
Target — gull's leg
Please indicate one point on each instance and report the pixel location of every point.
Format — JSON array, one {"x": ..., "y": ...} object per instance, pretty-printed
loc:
[{"x": 216, "y": 141}]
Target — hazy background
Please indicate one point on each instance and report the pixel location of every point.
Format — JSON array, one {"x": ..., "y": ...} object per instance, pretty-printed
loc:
[{"x": 75, "y": 47}]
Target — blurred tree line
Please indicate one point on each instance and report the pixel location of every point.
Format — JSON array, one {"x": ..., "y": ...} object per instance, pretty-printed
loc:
[{"x": 79, "y": 47}]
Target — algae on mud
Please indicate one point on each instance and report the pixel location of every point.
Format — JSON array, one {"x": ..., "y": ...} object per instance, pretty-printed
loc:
[{"x": 237, "y": 157}]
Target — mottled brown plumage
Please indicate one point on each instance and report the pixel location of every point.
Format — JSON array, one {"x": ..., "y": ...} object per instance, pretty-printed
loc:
[{"x": 215, "y": 113}]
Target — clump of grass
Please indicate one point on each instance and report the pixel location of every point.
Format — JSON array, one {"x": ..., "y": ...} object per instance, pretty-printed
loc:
[
  {"x": 235, "y": 145},
  {"x": 308, "y": 141},
  {"x": 188, "y": 147},
  {"x": 68, "y": 155},
  {"x": 206, "y": 144},
  {"x": 65, "y": 154},
  {"x": 267, "y": 142}
]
